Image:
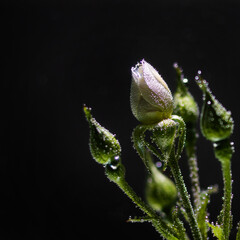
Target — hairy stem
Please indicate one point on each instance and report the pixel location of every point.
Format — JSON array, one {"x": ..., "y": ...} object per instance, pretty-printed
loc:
[
  {"x": 223, "y": 152},
  {"x": 175, "y": 169},
  {"x": 193, "y": 166},
  {"x": 226, "y": 170}
]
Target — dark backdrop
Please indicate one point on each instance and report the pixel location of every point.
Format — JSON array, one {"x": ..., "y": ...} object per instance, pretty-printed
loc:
[{"x": 60, "y": 55}]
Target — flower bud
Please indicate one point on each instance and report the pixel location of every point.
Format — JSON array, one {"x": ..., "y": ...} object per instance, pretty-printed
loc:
[
  {"x": 161, "y": 192},
  {"x": 104, "y": 147},
  {"x": 184, "y": 103},
  {"x": 216, "y": 122},
  {"x": 151, "y": 99}
]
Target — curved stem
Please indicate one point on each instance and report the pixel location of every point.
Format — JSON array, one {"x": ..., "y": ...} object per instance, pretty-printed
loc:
[{"x": 175, "y": 169}]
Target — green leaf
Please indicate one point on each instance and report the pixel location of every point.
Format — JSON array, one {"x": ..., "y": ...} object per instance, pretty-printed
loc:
[
  {"x": 217, "y": 231},
  {"x": 202, "y": 210},
  {"x": 178, "y": 224}
]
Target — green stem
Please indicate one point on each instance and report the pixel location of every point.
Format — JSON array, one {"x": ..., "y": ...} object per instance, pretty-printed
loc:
[
  {"x": 193, "y": 166},
  {"x": 223, "y": 152},
  {"x": 175, "y": 169},
  {"x": 226, "y": 170}
]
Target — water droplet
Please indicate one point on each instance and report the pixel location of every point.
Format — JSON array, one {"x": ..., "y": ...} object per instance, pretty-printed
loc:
[
  {"x": 113, "y": 167},
  {"x": 175, "y": 65},
  {"x": 114, "y": 162},
  {"x": 199, "y": 72},
  {"x": 185, "y": 80},
  {"x": 209, "y": 102},
  {"x": 158, "y": 164}
]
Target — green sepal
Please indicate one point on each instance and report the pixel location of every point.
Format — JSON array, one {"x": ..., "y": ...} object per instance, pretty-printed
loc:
[
  {"x": 104, "y": 147},
  {"x": 139, "y": 143},
  {"x": 216, "y": 122},
  {"x": 163, "y": 135},
  {"x": 217, "y": 231},
  {"x": 181, "y": 134}
]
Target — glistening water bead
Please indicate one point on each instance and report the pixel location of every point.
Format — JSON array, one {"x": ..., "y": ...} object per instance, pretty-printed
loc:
[{"x": 114, "y": 162}]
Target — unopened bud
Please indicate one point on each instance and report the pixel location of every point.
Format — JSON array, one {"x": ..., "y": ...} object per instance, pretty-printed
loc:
[
  {"x": 184, "y": 103},
  {"x": 104, "y": 147},
  {"x": 151, "y": 99},
  {"x": 161, "y": 192},
  {"x": 216, "y": 122}
]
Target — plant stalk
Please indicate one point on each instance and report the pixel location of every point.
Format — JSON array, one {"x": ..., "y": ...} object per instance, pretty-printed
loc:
[
  {"x": 227, "y": 202},
  {"x": 175, "y": 169},
  {"x": 193, "y": 165}
]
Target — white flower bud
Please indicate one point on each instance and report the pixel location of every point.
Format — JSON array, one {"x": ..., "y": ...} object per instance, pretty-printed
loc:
[{"x": 151, "y": 99}]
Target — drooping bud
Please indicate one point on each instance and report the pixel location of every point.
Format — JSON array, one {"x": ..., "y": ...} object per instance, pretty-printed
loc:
[
  {"x": 104, "y": 147},
  {"x": 184, "y": 103},
  {"x": 161, "y": 192},
  {"x": 216, "y": 122},
  {"x": 151, "y": 99}
]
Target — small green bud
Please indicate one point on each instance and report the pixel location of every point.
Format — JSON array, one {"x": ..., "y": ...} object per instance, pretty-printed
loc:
[
  {"x": 184, "y": 103},
  {"x": 161, "y": 192},
  {"x": 104, "y": 147},
  {"x": 151, "y": 99},
  {"x": 216, "y": 122}
]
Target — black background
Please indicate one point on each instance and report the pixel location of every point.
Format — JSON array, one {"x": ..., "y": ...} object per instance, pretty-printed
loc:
[{"x": 60, "y": 55}]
